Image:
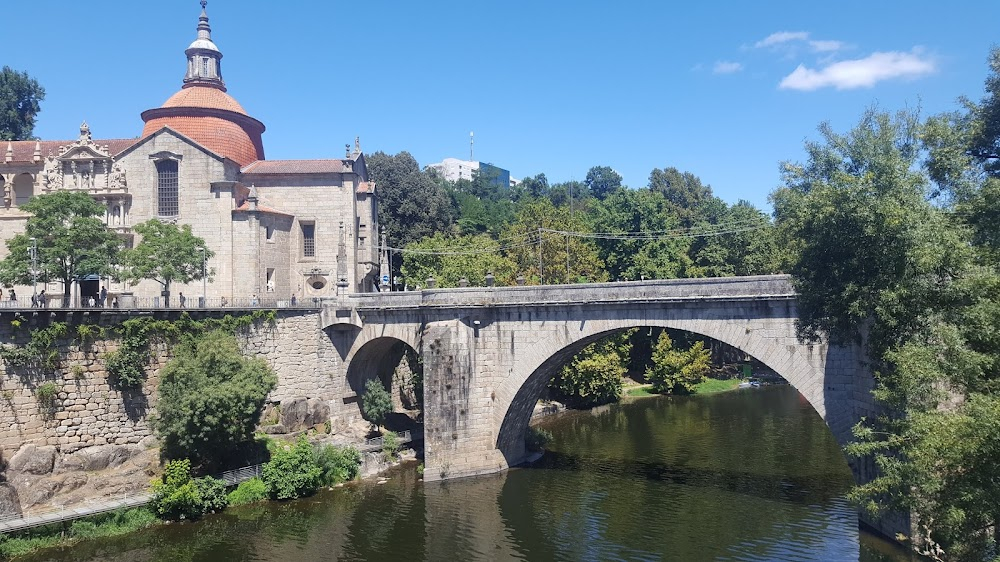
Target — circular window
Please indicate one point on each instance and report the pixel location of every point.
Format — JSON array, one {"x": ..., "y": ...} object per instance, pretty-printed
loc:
[{"x": 317, "y": 282}]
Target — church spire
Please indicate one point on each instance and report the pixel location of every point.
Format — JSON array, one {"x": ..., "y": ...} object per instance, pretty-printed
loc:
[{"x": 204, "y": 58}]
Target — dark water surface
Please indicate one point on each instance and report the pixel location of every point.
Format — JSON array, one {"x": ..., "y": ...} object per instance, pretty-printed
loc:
[{"x": 744, "y": 475}]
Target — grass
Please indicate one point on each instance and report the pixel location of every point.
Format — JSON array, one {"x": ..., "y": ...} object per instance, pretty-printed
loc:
[
  {"x": 708, "y": 386},
  {"x": 711, "y": 386},
  {"x": 112, "y": 524}
]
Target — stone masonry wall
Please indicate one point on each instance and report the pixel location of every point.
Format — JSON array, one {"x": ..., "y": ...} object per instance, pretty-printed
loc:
[{"x": 88, "y": 410}]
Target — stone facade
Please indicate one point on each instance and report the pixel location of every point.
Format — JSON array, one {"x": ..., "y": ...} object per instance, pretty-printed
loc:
[{"x": 278, "y": 228}]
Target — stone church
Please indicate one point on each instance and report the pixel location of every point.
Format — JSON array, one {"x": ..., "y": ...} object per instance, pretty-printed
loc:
[{"x": 278, "y": 228}]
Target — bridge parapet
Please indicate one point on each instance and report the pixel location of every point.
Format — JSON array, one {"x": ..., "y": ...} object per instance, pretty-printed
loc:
[{"x": 751, "y": 287}]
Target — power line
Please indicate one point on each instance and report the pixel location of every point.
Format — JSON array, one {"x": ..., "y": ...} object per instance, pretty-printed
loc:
[{"x": 529, "y": 239}]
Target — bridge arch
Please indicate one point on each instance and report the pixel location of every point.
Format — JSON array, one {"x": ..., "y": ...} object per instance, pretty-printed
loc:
[{"x": 765, "y": 338}]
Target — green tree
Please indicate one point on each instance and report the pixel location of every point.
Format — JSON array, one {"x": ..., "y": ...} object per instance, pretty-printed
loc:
[
  {"x": 869, "y": 249},
  {"x": 210, "y": 399},
  {"x": 594, "y": 375},
  {"x": 875, "y": 262},
  {"x": 634, "y": 258},
  {"x": 166, "y": 254},
  {"x": 746, "y": 244},
  {"x": 412, "y": 205},
  {"x": 675, "y": 371},
  {"x": 71, "y": 239},
  {"x": 684, "y": 192},
  {"x": 450, "y": 258},
  {"x": 602, "y": 181},
  {"x": 292, "y": 471},
  {"x": 20, "y": 96},
  {"x": 563, "y": 258},
  {"x": 376, "y": 403}
]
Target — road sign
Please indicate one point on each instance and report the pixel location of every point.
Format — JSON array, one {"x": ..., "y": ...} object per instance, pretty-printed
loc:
[{"x": 385, "y": 279}]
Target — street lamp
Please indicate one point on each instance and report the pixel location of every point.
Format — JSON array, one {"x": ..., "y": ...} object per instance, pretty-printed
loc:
[
  {"x": 204, "y": 280},
  {"x": 33, "y": 251}
]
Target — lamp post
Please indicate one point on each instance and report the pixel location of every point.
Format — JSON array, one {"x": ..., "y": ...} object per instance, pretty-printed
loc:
[
  {"x": 34, "y": 266},
  {"x": 204, "y": 280}
]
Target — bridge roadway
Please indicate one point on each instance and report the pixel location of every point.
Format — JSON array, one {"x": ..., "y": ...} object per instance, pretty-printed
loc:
[{"x": 595, "y": 294}]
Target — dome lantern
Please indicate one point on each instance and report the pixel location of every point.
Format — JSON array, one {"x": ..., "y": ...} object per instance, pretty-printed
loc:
[{"x": 204, "y": 66}]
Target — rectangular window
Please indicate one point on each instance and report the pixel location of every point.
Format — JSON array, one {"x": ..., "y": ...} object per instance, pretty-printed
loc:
[
  {"x": 270, "y": 280},
  {"x": 269, "y": 229},
  {"x": 166, "y": 184},
  {"x": 309, "y": 240}
]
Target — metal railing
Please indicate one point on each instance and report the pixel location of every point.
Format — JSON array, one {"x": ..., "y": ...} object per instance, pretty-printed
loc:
[
  {"x": 377, "y": 442},
  {"x": 55, "y": 302},
  {"x": 57, "y": 514}
]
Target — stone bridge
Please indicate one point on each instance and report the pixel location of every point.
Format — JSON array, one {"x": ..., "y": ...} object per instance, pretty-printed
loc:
[{"x": 488, "y": 352}]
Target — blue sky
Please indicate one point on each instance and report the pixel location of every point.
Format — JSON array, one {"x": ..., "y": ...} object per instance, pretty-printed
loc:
[{"x": 725, "y": 90}]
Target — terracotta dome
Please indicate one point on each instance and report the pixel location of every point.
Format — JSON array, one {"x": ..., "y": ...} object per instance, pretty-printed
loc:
[
  {"x": 202, "y": 110},
  {"x": 200, "y": 96}
]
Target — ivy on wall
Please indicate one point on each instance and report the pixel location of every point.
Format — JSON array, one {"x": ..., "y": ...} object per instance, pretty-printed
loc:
[{"x": 127, "y": 364}]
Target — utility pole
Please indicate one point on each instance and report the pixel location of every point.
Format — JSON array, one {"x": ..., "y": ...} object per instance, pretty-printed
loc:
[
  {"x": 204, "y": 277},
  {"x": 540, "y": 256},
  {"x": 34, "y": 267}
]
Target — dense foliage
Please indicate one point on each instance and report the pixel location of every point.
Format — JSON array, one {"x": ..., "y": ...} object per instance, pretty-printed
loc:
[
  {"x": 210, "y": 399},
  {"x": 293, "y": 471},
  {"x": 376, "y": 403},
  {"x": 337, "y": 464},
  {"x": 893, "y": 229},
  {"x": 677, "y": 371},
  {"x": 167, "y": 253},
  {"x": 594, "y": 375},
  {"x": 20, "y": 95},
  {"x": 70, "y": 238},
  {"x": 248, "y": 491},
  {"x": 176, "y": 495}
]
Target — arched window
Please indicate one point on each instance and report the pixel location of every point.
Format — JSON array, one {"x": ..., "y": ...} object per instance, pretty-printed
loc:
[{"x": 166, "y": 184}]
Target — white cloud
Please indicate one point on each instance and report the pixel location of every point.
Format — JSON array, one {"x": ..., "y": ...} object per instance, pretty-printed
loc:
[
  {"x": 781, "y": 40},
  {"x": 782, "y": 37},
  {"x": 826, "y": 46},
  {"x": 860, "y": 73},
  {"x": 726, "y": 67}
]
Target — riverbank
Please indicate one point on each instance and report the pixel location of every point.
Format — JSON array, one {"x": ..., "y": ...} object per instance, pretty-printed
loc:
[
  {"x": 129, "y": 520},
  {"x": 708, "y": 386}
]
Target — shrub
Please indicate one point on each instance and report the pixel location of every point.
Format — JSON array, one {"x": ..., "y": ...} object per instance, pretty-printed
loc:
[
  {"x": 210, "y": 399},
  {"x": 537, "y": 438},
  {"x": 175, "y": 495},
  {"x": 376, "y": 403},
  {"x": 178, "y": 496},
  {"x": 292, "y": 471},
  {"x": 337, "y": 464},
  {"x": 390, "y": 445},
  {"x": 46, "y": 394},
  {"x": 213, "y": 494},
  {"x": 594, "y": 375},
  {"x": 249, "y": 491}
]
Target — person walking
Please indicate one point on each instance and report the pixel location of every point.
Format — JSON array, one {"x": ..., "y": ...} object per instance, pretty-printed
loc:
[
  {"x": 103, "y": 297},
  {"x": 13, "y": 297},
  {"x": 182, "y": 299},
  {"x": 41, "y": 299}
]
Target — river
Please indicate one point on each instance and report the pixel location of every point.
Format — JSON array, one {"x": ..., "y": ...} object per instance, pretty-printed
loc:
[{"x": 744, "y": 475}]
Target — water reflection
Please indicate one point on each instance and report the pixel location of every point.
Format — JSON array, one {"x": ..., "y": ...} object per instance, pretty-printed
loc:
[{"x": 749, "y": 475}]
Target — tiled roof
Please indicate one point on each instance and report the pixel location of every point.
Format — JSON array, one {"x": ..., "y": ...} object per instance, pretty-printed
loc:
[
  {"x": 245, "y": 207},
  {"x": 221, "y": 136},
  {"x": 262, "y": 167},
  {"x": 366, "y": 187},
  {"x": 24, "y": 151},
  {"x": 203, "y": 96}
]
